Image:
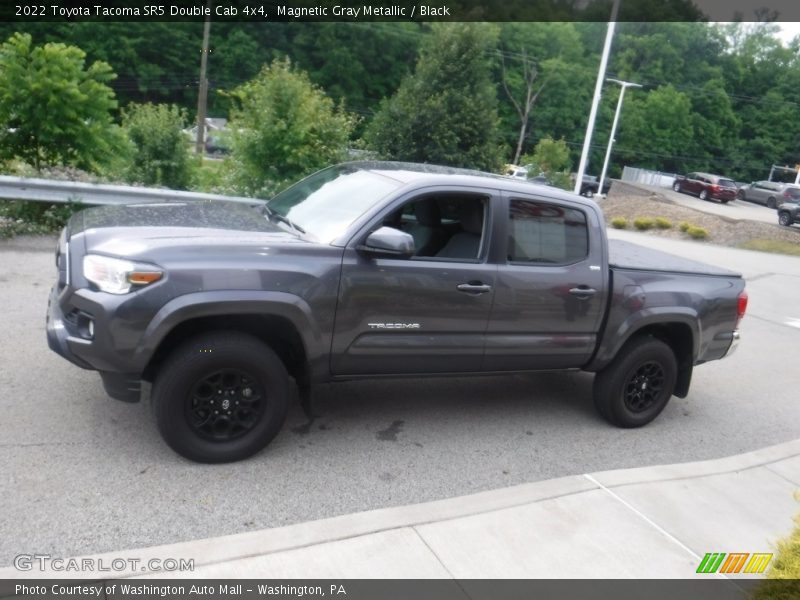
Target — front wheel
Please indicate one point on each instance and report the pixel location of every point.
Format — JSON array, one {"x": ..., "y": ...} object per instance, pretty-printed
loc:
[
  {"x": 740, "y": 195},
  {"x": 220, "y": 397},
  {"x": 676, "y": 187},
  {"x": 785, "y": 219},
  {"x": 589, "y": 193},
  {"x": 636, "y": 386},
  {"x": 703, "y": 195}
]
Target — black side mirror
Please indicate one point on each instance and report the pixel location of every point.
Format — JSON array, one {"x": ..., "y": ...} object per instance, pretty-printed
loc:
[{"x": 389, "y": 242}]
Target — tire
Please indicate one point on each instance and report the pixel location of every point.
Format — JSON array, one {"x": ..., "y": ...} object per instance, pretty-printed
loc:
[
  {"x": 724, "y": 201},
  {"x": 217, "y": 371},
  {"x": 676, "y": 187},
  {"x": 771, "y": 203},
  {"x": 703, "y": 195},
  {"x": 785, "y": 219},
  {"x": 589, "y": 193},
  {"x": 740, "y": 195},
  {"x": 620, "y": 395}
]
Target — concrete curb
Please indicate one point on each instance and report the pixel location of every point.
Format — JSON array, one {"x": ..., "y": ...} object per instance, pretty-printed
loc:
[{"x": 211, "y": 551}]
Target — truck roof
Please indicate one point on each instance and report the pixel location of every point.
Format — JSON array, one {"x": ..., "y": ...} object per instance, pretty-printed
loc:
[{"x": 411, "y": 173}]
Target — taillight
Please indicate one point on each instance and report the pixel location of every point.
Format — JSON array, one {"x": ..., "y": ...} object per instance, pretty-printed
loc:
[
  {"x": 741, "y": 307},
  {"x": 786, "y": 194},
  {"x": 715, "y": 188}
]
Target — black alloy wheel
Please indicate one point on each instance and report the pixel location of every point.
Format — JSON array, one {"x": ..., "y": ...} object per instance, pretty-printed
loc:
[
  {"x": 225, "y": 405},
  {"x": 644, "y": 386}
]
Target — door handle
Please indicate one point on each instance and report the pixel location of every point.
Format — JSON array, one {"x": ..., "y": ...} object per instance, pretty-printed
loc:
[
  {"x": 583, "y": 292},
  {"x": 474, "y": 288}
]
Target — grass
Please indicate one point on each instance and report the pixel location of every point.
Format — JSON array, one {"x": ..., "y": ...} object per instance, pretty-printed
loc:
[
  {"x": 774, "y": 246},
  {"x": 783, "y": 577}
]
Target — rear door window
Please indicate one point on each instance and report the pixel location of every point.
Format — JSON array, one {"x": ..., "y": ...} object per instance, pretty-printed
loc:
[{"x": 544, "y": 233}]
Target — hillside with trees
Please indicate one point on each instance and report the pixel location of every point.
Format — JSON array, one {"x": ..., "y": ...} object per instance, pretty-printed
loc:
[{"x": 721, "y": 98}]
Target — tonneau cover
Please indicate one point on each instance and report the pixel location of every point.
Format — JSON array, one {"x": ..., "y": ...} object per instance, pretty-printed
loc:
[{"x": 625, "y": 255}]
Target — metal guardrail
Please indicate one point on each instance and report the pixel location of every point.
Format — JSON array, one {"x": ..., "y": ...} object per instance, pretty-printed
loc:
[{"x": 50, "y": 190}]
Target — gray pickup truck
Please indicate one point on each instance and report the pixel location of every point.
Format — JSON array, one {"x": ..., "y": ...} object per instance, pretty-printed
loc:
[{"x": 374, "y": 270}]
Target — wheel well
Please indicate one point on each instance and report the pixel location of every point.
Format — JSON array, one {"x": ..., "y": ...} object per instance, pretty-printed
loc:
[
  {"x": 276, "y": 332},
  {"x": 679, "y": 337}
]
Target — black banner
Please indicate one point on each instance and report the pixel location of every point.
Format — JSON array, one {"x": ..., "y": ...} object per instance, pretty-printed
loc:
[
  {"x": 253, "y": 11},
  {"x": 437, "y": 589}
]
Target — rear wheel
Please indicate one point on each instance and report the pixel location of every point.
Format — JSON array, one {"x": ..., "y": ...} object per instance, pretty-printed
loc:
[
  {"x": 785, "y": 219},
  {"x": 220, "y": 397},
  {"x": 677, "y": 186},
  {"x": 771, "y": 203},
  {"x": 703, "y": 195},
  {"x": 636, "y": 386},
  {"x": 724, "y": 201}
]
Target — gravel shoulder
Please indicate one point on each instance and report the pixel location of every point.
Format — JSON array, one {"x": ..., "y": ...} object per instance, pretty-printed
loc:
[{"x": 631, "y": 203}]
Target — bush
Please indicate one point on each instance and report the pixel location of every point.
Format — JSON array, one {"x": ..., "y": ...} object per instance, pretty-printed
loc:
[
  {"x": 697, "y": 233},
  {"x": 619, "y": 223},
  {"x": 662, "y": 223},
  {"x": 160, "y": 155},
  {"x": 20, "y": 217},
  {"x": 644, "y": 223},
  {"x": 684, "y": 226},
  {"x": 283, "y": 127}
]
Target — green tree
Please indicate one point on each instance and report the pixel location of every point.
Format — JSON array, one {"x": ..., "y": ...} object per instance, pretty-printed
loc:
[
  {"x": 446, "y": 112},
  {"x": 53, "y": 109},
  {"x": 550, "y": 157},
  {"x": 160, "y": 154},
  {"x": 282, "y": 128},
  {"x": 657, "y": 131}
]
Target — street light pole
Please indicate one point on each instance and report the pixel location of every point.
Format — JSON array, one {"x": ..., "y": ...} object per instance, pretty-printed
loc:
[
  {"x": 598, "y": 88},
  {"x": 623, "y": 86},
  {"x": 202, "y": 95}
]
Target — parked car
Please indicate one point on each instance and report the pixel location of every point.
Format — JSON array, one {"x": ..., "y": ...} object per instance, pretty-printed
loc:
[
  {"x": 769, "y": 193},
  {"x": 705, "y": 186},
  {"x": 373, "y": 269},
  {"x": 789, "y": 211},
  {"x": 590, "y": 186},
  {"x": 516, "y": 172}
]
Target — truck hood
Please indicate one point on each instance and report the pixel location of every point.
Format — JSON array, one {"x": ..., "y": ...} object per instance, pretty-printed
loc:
[{"x": 139, "y": 229}]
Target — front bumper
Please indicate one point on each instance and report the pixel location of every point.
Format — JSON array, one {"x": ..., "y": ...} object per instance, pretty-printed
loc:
[{"x": 64, "y": 338}]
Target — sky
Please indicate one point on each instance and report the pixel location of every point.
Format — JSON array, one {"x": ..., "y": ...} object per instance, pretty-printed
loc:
[{"x": 789, "y": 30}]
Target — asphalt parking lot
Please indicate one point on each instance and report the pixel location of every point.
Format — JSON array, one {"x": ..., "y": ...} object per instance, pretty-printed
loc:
[
  {"x": 84, "y": 474},
  {"x": 738, "y": 209}
]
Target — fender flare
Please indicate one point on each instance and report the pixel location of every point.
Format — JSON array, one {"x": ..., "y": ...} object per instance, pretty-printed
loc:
[
  {"x": 239, "y": 302},
  {"x": 659, "y": 315}
]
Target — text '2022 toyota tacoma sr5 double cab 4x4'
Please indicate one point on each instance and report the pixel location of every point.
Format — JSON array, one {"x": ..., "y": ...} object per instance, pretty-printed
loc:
[{"x": 374, "y": 269}]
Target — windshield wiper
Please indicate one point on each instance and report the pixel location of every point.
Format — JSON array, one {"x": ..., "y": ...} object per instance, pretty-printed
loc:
[{"x": 273, "y": 215}]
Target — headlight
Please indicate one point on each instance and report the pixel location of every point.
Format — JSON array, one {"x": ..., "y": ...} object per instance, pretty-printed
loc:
[{"x": 117, "y": 276}]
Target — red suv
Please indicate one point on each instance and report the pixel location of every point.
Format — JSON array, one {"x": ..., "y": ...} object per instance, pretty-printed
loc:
[{"x": 706, "y": 186}]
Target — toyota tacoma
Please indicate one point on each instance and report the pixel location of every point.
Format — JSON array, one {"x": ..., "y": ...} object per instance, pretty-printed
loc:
[{"x": 374, "y": 269}]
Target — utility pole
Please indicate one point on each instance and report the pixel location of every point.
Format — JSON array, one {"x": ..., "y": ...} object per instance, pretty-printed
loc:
[
  {"x": 623, "y": 86},
  {"x": 199, "y": 146},
  {"x": 598, "y": 88}
]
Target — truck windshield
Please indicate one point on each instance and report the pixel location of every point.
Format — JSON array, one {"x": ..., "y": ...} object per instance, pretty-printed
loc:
[{"x": 325, "y": 204}]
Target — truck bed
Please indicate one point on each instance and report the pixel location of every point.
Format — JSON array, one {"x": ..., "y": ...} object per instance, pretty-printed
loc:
[{"x": 626, "y": 255}]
